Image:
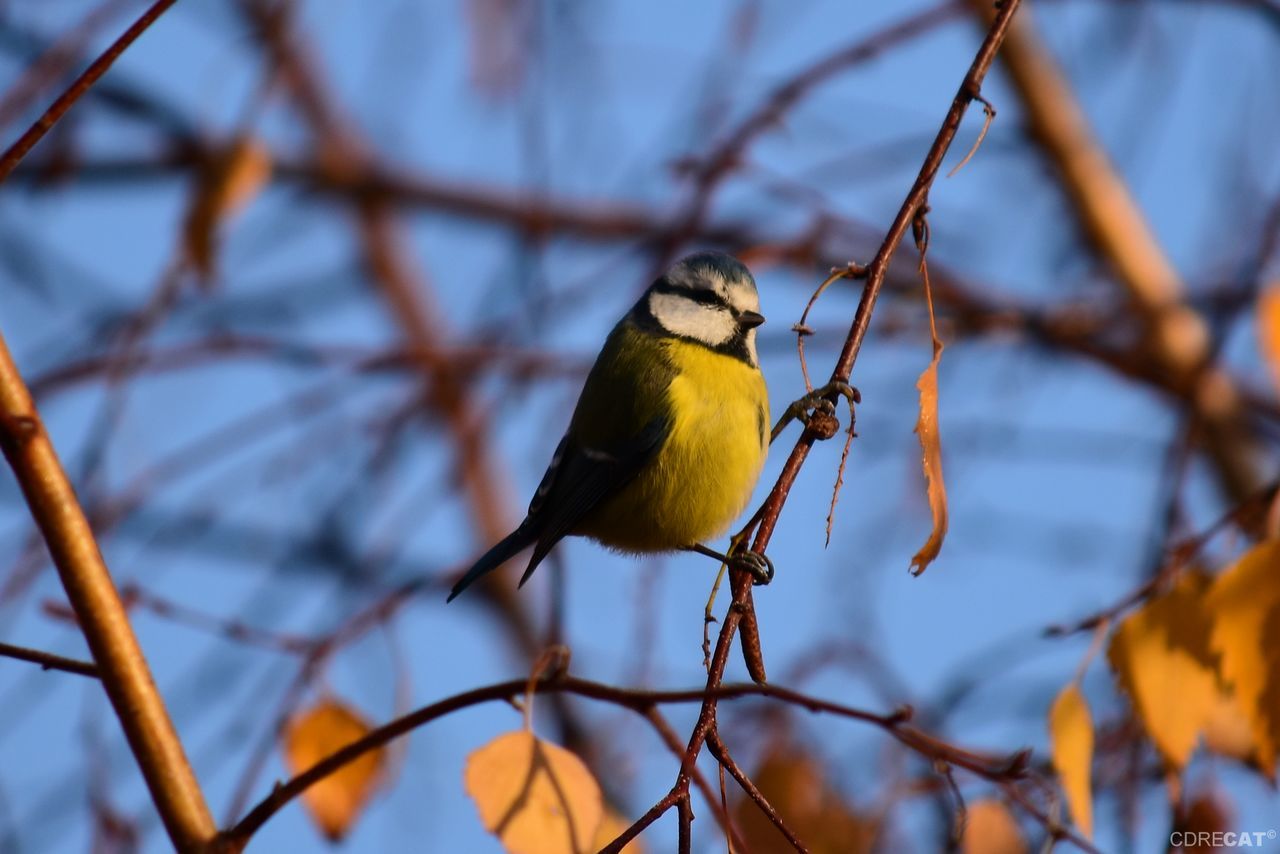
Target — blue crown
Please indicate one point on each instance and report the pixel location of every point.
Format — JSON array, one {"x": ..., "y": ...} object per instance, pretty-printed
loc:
[{"x": 703, "y": 264}]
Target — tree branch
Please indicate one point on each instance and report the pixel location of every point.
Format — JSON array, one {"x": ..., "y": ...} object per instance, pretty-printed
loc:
[
  {"x": 1178, "y": 338},
  {"x": 49, "y": 661},
  {"x": 121, "y": 665},
  {"x": 14, "y": 154}
]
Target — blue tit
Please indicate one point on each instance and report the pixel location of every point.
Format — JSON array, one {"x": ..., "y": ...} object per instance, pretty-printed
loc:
[{"x": 671, "y": 429}]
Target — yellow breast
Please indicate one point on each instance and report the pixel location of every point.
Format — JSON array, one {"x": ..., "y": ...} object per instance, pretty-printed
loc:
[{"x": 703, "y": 476}]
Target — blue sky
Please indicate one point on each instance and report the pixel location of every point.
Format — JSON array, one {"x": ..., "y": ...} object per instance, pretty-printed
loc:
[{"x": 1053, "y": 463}]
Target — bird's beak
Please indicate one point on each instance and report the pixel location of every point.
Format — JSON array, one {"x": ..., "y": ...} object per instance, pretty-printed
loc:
[{"x": 750, "y": 319}]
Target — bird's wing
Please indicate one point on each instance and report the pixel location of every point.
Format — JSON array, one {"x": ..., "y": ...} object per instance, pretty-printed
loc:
[{"x": 580, "y": 478}]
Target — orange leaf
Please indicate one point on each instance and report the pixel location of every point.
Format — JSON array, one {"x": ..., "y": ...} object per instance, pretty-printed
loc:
[
  {"x": 931, "y": 459},
  {"x": 795, "y": 783},
  {"x": 990, "y": 829},
  {"x": 336, "y": 801},
  {"x": 1244, "y": 603},
  {"x": 1269, "y": 328},
  {"x": 1071, "y": 733},
  {"x": 235, "y": 176},
  {"x": 609, "y": 830},
  {"x": 1227, "y": 731},
  {"x": 537, "y": 798},
  {"x": 1161, "y": 655}
]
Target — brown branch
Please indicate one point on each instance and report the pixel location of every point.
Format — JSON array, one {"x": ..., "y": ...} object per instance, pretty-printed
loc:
[
  {"x": 876, "y": 271},
  {"x": 1177, "y": 337},
  {"x": 710, "y": 173},
  {"x": 595, "y": 221},
  {"x": 718, "y": 749},
  {"x": 465, "y": 361},
  {"x": 993, "y": 768},
  {"x": 49, "y": 661},
  {"x": 718, "y": 809},
  {"x": 14, "y": 154},
  {"x": 56, "y": 60},
  {"x": 399, "y": 281},
  {"x": 404, "y": 288},
  {"x": 122, "y": 667}
]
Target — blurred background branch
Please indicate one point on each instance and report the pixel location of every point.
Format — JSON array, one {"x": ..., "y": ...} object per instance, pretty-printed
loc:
[{"x": 305, "y": 293}]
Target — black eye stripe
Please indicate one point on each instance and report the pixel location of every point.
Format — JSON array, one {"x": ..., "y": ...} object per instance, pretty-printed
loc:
[
  {"x": 705, "y": 297},
  {"x": 698, "y": 295}
]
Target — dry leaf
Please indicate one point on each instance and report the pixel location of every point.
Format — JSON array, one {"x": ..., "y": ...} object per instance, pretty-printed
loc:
[
  {"x": 931, "y": 442},
  {"x": 537, "y": 798},
  {"x": 990, "y": 829},
  {"x": 795, "y": 784},
  {"x": 1269, "y": 328},
  {"x": 235, "y": 176},
  {"x": 336, "y": 801},
  {"x": 1161, "y": 655},
  {"x": 610, "y": 828},
  {"x": 1071, "y": 734},
  {"x": 931, "y": 458},
  {"x": 1244, "y": 603}
]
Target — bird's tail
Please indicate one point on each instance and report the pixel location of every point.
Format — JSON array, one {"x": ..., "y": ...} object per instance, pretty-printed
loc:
[{"x": 507, "y": 548}]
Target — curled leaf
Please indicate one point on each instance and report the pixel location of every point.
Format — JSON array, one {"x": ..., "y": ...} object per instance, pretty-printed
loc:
[
  {"x": 931, "y": 459},
  {"x": 336, "y": 801},
  {"x": 233, "y": 178},
  {"x": 536, "y": 797},
  {"x": 927, "y": 421}
]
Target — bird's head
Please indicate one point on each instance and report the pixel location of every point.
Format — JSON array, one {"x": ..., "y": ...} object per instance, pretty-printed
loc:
[{"x": 711, "y": 298}]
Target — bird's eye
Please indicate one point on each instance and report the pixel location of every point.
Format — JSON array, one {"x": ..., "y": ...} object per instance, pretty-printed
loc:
[{"x": 704, "y": 297}]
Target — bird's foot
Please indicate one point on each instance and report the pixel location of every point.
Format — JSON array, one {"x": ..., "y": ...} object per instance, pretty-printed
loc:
[
  {"x": 758, "y": 566},
  {"x": 815, "y": 410}
]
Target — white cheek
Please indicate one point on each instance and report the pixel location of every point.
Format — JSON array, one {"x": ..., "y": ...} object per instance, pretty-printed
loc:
[
  {"x": 751, "y": 347},
  {"x": 681, "y": 316}
]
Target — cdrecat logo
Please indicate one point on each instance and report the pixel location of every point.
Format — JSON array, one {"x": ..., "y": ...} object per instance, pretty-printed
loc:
[{"x": 1220, "y": 838}]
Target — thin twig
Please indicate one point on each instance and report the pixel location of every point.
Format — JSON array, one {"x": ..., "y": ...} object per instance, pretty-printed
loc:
[
  {"x": 720, "y": 751},
  {"x": 640, "y": 701},
  {"x": 14, "y": 154},
  {"x": 877, "y": 270},
  {"x": 49, "y": 661}
]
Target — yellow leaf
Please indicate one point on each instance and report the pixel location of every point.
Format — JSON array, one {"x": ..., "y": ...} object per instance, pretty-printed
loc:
[
  {"x": 1161, "y": 655},
  {"x": 795, "y": 784},
  {"x": 537, "y": 798},
  {"x": 990, "y": 829},
  {"x": 1071, "y": 733},
  {"x": 336, "y": 801},
  {"x": 1269, "y": 328},
  {"x": 1245, "y": 606},
  {"x": 931, "y": 460},
  {"x": 610, "y": 828},
  {"x": 1227, "y": 731},
  {"x": 233, "y": 178}
]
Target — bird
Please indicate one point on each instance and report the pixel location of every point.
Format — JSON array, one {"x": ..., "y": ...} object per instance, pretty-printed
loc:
[{"x": 670, "y": 432}]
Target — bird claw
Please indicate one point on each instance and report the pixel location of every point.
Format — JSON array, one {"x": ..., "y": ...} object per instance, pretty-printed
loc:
[
  {"x": 816, "y": 402},
  {"x": 758, "y": 566}
]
